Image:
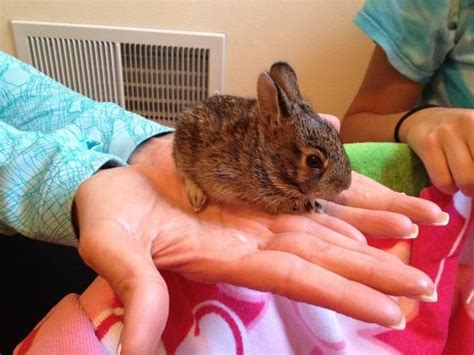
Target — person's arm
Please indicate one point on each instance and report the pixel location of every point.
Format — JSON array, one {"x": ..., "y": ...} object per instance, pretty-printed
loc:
[
  {"x": 440, "y": 136},
  {"x": 52, "y": 140},
  {"x": 384, "y": 96},
  {"x": 31, "y": 101},
  {"x": 39, "y": 175},
  {"x": 409, "y": 68}
]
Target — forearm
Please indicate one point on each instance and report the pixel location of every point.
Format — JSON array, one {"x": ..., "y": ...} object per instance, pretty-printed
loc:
[
  {"x": 40, "y": 175},
  {"x": 30, "y": 101},
  {"x": 383, "y": 98},
  {"x": 369, "y": 127}
]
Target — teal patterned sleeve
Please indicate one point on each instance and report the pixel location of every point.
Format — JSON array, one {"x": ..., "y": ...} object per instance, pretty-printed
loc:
[
  {"x": 39, "y": 175},
  {"x": 416, "y": 35},
  {"x": 32, "y": 101},
  {"x": 51, "y": 140}
]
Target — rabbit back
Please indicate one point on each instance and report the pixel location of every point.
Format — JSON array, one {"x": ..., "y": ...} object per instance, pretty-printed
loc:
[{"x": 215, "y": 145}]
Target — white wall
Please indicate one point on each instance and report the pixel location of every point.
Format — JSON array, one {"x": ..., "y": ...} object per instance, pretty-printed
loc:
[{"x": 316, "y": 37}]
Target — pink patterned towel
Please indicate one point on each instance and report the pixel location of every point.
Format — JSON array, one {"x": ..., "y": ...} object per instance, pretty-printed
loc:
[{"x": 217, "y": 319}]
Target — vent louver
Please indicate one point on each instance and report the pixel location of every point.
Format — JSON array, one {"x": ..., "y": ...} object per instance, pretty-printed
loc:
[
  {"x": 154, "y": 73},
  {"x": 160, "y": 80},
  {"x": 88, "y": 67}
]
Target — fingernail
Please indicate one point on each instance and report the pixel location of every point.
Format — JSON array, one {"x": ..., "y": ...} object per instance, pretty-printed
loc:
[
  {"x": 414, "y": 232},
  {"x": 443, "y": 221},
  {"x": 400, "y": 325},
  {"x": 119, "y": 349},
  {"x": 430, "y": 298}
]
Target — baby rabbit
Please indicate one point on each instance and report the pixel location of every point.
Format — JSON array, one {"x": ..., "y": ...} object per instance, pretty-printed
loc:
[{"x": 274, "y": 153}]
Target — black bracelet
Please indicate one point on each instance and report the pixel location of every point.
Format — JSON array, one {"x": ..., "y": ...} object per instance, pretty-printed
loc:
[{"x": 396, "y": 131}]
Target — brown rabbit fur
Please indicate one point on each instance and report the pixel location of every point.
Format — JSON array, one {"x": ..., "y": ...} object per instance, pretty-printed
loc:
[{"x": 274, "y": 153}]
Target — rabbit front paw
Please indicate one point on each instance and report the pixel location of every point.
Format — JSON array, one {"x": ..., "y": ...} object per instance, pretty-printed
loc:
[
  {"x": 313, "y": 205},
  {"x": 196, "y": 196}
]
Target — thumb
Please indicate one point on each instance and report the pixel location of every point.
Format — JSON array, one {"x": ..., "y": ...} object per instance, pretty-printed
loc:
[
  {"x": 332, "y": 120},
  {"x": 129, "y": 269},
  {"x": 146, "y": 304}
]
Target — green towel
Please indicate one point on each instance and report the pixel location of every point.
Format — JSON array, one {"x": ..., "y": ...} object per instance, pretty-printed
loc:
[{"x": 392, "y": 164}]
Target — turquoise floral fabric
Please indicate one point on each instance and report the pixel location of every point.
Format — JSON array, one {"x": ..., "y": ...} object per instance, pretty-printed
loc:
[
  {"x": 429, "y": 42},
  {"x": 51, "y": 140}
]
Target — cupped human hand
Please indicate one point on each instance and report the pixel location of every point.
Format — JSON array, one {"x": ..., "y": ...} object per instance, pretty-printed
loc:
[
  {"x": 443, "y": 138},
  {"x": 136, "y": 220}
]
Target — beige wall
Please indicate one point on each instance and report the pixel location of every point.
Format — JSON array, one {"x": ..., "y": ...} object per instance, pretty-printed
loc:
[{"x": 316, "y": 36}]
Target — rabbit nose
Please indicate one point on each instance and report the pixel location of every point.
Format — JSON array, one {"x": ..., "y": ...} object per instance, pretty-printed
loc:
[
  {"x": 339, "y": 189},
  {"x": 347, "y": 181},
  {"x": 343, "y": 184}
]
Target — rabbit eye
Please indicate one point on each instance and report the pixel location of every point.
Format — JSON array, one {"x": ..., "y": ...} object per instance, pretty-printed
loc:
[{"x": 314, "y": 162}]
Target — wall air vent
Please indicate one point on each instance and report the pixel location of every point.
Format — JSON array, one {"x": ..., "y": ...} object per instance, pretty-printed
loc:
[{"x": 154, "y": 73}]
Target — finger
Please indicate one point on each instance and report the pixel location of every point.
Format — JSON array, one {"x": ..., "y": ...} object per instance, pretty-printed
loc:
[
  {"x": 436, "y": 165},
  {"x": 302, "y": 226},
  {"x": 296, "y": 278},
  {"x": 338, "y": 225},
  {"x": 129, "y": 270},
  {"x": 332, "y": 119},
  {"x": 146, "y": 303},
  {"x": 368, "y": 194},
  {"x": 377, "y": 224},
  {"x": 470, "y": 140},
  {"x": 461, "y": 164},
  {"x": 316, "y": 224},
  {"x": 384, "y": 274}
]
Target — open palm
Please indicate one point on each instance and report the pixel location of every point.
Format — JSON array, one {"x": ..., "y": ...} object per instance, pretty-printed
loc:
[{"x": 136, "y": 220}]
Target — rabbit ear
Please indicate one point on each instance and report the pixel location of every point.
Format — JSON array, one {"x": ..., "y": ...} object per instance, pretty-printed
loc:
[
  {"x": 267, "y": 97},
  {"x": 285, "y": 77}
]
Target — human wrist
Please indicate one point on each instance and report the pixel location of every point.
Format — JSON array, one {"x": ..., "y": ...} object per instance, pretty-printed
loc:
[
  {"x": 149, "y": 150},
  {"x": 402, "y": 127}
]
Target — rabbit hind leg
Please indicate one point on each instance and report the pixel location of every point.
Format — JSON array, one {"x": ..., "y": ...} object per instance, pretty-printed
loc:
[{"x": 196, "y": 196}]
